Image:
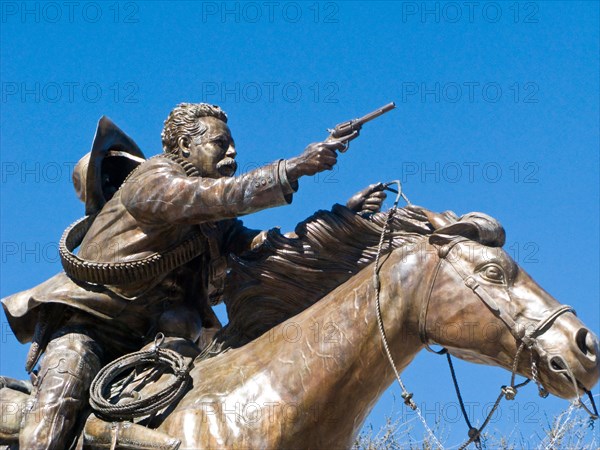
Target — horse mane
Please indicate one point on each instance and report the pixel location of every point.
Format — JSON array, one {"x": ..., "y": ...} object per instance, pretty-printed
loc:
[{"x": 286, "y": 274}]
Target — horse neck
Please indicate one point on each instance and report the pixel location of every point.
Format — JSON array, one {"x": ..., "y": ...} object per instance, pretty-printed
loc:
[
  {"x": 315, "y": 376},
  {"x": 342, "y": 365}
]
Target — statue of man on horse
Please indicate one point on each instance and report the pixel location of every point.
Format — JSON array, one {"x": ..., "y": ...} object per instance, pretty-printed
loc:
[
  {"x": 161, "y": 243},
  {"x": 152, "y": 254}
]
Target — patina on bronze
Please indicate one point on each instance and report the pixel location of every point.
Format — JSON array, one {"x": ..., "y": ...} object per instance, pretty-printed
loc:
[{"x": 256, "y": 386}]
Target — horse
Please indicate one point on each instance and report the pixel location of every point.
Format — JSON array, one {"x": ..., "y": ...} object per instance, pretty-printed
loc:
[{"x": 312, "y": 316}]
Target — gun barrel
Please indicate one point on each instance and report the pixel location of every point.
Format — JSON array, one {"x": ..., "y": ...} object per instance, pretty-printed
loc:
[
  {"x": 345, "y": 129},
  {"x": 375, "y": 114}
]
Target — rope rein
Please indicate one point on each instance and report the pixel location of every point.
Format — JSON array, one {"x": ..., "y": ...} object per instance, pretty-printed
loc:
[{"x": 407, "y": 396}]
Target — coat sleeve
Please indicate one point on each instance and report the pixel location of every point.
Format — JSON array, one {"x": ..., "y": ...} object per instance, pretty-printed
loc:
[
  {"x": 238, "y": 239},
  {"x": 162, "y": 193}
]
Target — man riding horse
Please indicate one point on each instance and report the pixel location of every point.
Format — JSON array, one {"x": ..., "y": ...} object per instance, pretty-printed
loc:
[{"x": 152, "y": 255}]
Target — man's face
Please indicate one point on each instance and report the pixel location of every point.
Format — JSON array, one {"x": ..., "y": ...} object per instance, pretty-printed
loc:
[{"x": 213, "y": 152}]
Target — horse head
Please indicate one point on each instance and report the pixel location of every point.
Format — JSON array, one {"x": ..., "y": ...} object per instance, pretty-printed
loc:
[{"x": 482, "y": 307}]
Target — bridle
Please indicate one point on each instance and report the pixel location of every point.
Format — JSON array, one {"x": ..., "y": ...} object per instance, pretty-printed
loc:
[{"x": 525, "y": 339}]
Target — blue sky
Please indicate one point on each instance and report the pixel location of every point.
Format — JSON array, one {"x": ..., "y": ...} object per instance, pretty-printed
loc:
[{"x": 498, "y": 111}]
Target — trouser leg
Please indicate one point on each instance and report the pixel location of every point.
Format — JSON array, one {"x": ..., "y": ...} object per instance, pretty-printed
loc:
[{"x": 66, "y": 372}]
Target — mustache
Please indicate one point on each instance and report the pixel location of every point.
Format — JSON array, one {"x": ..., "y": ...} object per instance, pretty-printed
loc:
[{"x": 226, "y": 162}]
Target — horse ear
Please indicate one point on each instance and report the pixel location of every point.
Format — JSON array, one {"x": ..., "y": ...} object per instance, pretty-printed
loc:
[
  {"x": 478, "y": 227},
  {"x": 444, "y": 235},
  {"x": 440, "y": 239},
  {"x": 440, "y": 220},
  {"x": 437, "y": 220}
]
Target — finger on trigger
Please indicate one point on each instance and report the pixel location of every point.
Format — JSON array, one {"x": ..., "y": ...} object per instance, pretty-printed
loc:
[
  {"x": 352, "y": 135},
  {"x": 337, "y": 144}
]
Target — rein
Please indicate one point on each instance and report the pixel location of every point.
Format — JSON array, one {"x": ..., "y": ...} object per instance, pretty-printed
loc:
[
  {"x": 527, "y": 339},
  {"x": 407, "y": 396}
]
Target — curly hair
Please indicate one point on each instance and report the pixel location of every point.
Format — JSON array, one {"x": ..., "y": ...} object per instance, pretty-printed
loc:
[{"x": 183, "y": 121}]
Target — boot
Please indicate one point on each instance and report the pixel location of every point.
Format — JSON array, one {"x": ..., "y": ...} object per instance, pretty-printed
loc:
[
  {"x": 101, "y": 435},
  {"x": 71, "y": 361}
]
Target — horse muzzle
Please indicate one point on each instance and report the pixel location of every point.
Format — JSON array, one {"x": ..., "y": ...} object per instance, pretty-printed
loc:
[{"x": 573, "y": 366}]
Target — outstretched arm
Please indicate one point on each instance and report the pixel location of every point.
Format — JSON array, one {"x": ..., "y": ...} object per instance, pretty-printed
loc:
[{"x": 162, "y": 193}]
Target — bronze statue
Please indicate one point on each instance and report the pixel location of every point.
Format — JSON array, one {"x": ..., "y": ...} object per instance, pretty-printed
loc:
[
  {"x": 303, "y": 307},
  {"x": 151, "y": 258}
]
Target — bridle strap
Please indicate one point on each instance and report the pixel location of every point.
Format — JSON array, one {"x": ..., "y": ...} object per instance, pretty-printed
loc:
[
  {"x": 442, "y": 253},
  {"x": 486, "y": 298},
  {"x": 423, "y": 313},
  {"x": 542, "y": 325}
]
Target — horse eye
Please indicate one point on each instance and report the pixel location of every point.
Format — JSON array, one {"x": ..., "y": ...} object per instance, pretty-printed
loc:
[{"x": 492, "y": 272}]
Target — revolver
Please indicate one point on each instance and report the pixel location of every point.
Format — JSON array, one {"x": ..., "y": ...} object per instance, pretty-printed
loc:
[{"x": 344, "y": 130}]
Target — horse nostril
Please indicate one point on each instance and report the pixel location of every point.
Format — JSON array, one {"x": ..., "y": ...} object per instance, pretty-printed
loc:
[{"x": 586, "y": 343}]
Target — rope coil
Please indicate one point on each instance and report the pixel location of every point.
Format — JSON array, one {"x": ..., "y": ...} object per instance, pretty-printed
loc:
[{"x": 105, "y": 406}]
